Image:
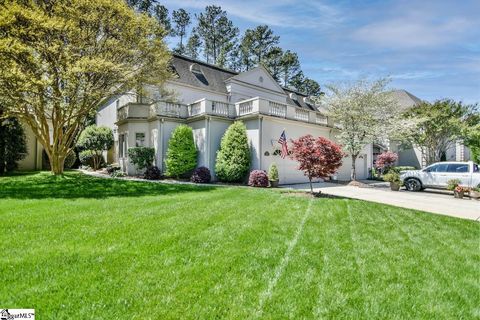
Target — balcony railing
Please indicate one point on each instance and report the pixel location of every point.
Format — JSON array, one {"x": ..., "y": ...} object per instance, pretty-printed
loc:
[
  {"x": 168, "y": 109},
  {"x": 277, "y": 109},
  {"x": 211, "y": 107},
  {"x": 132, "y": 110},
  {"x": 223, "y": 109}
]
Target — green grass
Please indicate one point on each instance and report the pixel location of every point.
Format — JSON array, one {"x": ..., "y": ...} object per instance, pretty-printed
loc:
[{"x": 78, "y": 247}]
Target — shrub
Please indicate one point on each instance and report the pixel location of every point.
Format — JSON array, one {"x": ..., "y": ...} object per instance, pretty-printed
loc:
[
  {"x": 152, "y": 173},
  {"x": 141, "y": 157},
  {"x": 233, "y": 158},
  {"x": 181, "y": 153},
  {"x": 452, "y": 184},
  {"x": 258, "y": 178},
  {"x": 386, "y": 160},
  {"x": 117, "y": 174},
  {"x": 86, "y": 158},
  {"x": 111, "y": 168},
  {"x": 273, "y": 172},
  {"x": 392, "y": 177},
  {"x": 13, "y": 144},
  {"x": 201, "y": 175},
  {"x": 95, "y": 140},
  {"x": 70, "y": 159}
]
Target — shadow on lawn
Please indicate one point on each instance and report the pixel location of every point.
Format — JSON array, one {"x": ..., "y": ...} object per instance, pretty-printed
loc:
[{"x": 41, "y": 185}]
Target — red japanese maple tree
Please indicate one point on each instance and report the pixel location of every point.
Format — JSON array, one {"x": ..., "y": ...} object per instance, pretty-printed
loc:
[
  {"x": 385, "y": 160},
  {"x": 316, "y": 157}
]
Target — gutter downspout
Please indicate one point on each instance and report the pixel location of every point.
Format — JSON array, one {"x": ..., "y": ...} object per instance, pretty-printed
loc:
[{"x": 260, "y": 142}]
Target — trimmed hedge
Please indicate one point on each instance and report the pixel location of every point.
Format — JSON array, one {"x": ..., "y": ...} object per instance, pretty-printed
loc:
[
  {"x": 258, "y": 178},
  {"x": 181, "y": 153},
  {"x": 201, "y": 175},
  {"x": 233, "y": 158}
]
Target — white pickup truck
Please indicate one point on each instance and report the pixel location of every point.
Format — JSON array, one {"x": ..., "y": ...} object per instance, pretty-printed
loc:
[{"x": 437, "y": 175}]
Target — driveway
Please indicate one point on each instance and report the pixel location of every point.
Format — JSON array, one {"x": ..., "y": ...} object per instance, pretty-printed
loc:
[{"x": 439, "y": 202}]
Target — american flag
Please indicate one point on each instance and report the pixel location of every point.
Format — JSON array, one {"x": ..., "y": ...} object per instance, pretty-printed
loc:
[{"x": 283, "y": 142}]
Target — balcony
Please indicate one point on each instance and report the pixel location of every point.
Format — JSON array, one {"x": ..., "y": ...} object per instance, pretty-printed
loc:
[
  {"x": 222, "y": 109},
  {"x": 211, "y": 107},
  {"x": 168, "y": 109},
  {"x": 132, "y": 111},
  {"x": 280, "y": 110}
]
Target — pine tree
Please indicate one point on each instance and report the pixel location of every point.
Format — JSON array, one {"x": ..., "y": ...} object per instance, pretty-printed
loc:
[
  {"x": 257, "y": 43},
  {"x": 289, "y": 66},
  {"x": 233, "y": 158},
  {"x": 273, "y": 62},
  {"x": 216, "y": 32},
  {"x": 181, "y": 152},
  {"x": 192, "y": 49},
  {"x": 181, "y": 19}
]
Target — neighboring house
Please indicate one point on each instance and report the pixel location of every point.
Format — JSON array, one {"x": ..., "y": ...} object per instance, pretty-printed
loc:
[
  {"x": 413, "y": 156},
  {"x": 208, "y": 99}
]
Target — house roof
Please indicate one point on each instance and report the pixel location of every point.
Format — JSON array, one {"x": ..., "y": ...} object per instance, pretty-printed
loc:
[
  {"x": 405, "y": 99},
  {"x": 214, "y": 78}
]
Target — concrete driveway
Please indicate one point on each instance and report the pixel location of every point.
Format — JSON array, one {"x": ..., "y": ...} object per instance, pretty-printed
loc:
[{"x": 434, "y": 201}]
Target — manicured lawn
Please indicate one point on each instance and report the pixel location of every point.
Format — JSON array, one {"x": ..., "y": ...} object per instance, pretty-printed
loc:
[{"x": 78, "y": 247}]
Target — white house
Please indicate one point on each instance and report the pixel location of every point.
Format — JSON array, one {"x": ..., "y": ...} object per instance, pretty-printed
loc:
[{"x": 208, "y": 99}]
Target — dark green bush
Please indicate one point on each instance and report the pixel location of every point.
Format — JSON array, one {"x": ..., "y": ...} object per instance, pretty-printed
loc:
[
  {"x": 95, "y": 140},
  {"x": 141, "y": 157},
  {"x": 87, "y": 159},
  {"x": 233, "y": 158},
  {"x": 152, "y": 173},
  {"x": 181, "y": 153}
]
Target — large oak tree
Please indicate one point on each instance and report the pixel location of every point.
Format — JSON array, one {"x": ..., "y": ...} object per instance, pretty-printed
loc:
[{"x": 60, "y": 59}]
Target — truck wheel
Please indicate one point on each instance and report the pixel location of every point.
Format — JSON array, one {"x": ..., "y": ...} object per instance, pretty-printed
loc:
[{"x": 412, "y": 184}]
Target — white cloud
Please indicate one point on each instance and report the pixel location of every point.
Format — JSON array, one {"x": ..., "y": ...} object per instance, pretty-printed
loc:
[{"x": 282, "y": 13}]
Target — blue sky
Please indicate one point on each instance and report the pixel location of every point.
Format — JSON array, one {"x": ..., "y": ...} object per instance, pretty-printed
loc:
[{"x": 428, "y": 47}]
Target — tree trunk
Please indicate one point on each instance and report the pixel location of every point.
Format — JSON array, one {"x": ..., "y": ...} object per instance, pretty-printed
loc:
[
  {"x": 57, "y": 162},
  {"x": 311, "y": 185},
  {"x": 353, "y": 173}
]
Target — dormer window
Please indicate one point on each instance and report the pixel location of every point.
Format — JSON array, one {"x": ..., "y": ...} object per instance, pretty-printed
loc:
[
  {"x": 306, "y": 100},
  {"x": 197, "y": 72},
  {"x": 195, "y": 69},
  {"x": 293, "y": 96}
]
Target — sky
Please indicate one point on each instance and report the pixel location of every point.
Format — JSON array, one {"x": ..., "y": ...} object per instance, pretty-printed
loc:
[{"x": 430, "y": 48}]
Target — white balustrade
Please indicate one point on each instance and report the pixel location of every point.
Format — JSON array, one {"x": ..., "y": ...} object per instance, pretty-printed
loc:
[
  {"x": 301, "y": 114},
  {"x": 277, "y": 109}
]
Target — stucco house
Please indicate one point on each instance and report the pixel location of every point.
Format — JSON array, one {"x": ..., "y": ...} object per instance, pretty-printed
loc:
[
  {"x": 208, "y": 99},
  {"x": 413, "y": 156}
]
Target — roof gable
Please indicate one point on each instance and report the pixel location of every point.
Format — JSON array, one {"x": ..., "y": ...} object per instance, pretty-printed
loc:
[{"x": 260, "y": 77}]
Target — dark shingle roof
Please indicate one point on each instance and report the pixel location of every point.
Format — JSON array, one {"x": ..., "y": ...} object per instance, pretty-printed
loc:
[{"x": 213, "y": 77}]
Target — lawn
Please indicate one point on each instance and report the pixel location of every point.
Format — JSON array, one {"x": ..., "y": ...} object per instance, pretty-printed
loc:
[{"x": 78, "y": 247}]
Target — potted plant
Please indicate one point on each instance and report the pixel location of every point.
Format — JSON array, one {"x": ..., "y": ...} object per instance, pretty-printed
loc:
[
  {"x": 475, "y": 192},
  {"x": 452, "y": 184},
  {"x": 394, "y": 178},
  {"x": 460, "y": 191},
  {"x": 273, "y": 175}
]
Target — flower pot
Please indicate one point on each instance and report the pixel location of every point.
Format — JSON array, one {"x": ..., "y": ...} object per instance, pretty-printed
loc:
[
  {"x": 273, "y": 183},
  {"x": 458, "y": 195},
  {"x": 394, "y": 186},
  {"x": 474, "y": 194}
]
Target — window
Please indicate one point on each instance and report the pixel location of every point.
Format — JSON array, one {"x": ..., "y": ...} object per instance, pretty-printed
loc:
[
  {"x": 441, "y": 167},
  {"x": 121, "y": 146},
  {"x": 458, "y": 167},
  {"x": 476, "y": 168},
  {"x": 139, "y": 139}
]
